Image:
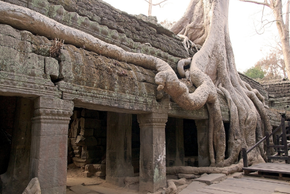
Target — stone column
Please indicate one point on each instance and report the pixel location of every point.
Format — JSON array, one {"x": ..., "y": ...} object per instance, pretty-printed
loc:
[
  {"x": 152, "y": 175},
  {"x": 49, "y": 143},
  {"x": 174, "y": 142},
  {"x": 202, "y": 140},
  {"x": 119, "y": 148}
]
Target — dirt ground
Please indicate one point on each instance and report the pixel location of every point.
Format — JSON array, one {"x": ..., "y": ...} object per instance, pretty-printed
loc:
[{"x": 77, "y": 183}]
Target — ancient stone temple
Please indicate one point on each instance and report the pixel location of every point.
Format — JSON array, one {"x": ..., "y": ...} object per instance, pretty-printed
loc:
[{"x": 63, "y": 103}]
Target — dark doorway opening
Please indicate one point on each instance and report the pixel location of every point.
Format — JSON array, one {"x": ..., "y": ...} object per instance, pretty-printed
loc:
[{"x": 190, "y": 142}]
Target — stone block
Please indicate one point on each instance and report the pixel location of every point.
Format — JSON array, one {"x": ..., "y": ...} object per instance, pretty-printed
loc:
[
  {"x": 100, "y": 174},
  {"x": 88, "y": 174},
  {"x": 51, "y": 67},
  {"x": 65, "y": 67},
  {"x": 8, "y": 41},
  {"x": 9, "y": 59},
  {"x": 238, "y": 175},
  {"x": 53, "y": 103},
  {"x": 211, "y": 178},
  {"x": 9, "y": 31},
  {"x": 33, "y": 65}
]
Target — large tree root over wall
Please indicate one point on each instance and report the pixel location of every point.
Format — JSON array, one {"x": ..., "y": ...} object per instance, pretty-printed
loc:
[
  {"x": 206, "y": 23},
  {"x": 212, "y": 70}
]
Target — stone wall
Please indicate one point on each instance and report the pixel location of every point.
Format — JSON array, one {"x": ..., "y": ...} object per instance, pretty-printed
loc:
[
  {"x": 113, "y": 26},
  {"x": 279, "y": 94}
]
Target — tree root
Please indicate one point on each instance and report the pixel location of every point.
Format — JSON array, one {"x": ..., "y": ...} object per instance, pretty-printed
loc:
[
  {"x": 248, "y": 118},
  {"x": 173, "y": 186},
  {"x": 201, "y": 170}
]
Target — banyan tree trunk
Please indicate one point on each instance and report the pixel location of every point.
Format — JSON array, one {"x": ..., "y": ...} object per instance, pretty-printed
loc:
[{"x": 206, "y": 23}]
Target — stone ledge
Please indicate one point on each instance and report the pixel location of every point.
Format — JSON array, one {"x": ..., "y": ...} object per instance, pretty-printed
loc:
[{"x": 24, "y": 85}]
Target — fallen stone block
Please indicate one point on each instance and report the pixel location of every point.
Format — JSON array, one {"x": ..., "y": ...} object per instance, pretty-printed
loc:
[{"x": 211, "y": 178}]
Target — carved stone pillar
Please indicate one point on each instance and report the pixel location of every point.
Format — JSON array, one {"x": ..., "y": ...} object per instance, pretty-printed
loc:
[
  {"x": 202, "y": 140},
  {"x": 152, "y": 152},
  {"x": 49, "y": 143},
  {"x": 119, "y": 148}
]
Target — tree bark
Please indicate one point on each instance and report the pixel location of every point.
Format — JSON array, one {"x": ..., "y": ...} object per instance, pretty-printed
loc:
[
  {"x": 283, "y": 30},
  {"x": 150, "y": 8},
  {"x": 206, "y": 22}
]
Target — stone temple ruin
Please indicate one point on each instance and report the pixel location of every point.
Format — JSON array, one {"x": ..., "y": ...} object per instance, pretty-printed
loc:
[{"x": 62, "y": 104}]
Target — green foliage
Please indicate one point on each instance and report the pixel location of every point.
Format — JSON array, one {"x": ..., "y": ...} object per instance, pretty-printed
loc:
[{"x": 255, "y": 73}]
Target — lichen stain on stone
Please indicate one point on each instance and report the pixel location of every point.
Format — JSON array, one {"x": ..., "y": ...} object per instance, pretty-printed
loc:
[{"x": 156, "y": 174}]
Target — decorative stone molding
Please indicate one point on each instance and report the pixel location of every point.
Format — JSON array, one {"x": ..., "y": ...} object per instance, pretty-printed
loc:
[
  {"x": 153, "y": 119},
  {"x": 52, "y": 112},
  {"x": 26, "y": 85},
  {"x": 145, "y": 120},
  {"x": 52, "y": 109}
]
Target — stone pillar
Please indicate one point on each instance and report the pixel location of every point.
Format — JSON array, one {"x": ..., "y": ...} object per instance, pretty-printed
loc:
[
  {"x": 174, "y": 142},
  {"x": 152, "y": 175},
  {"x": 119, "y": 148},
  {"x": 49, "y": 143},
  {"x": 202, "y": 140}
]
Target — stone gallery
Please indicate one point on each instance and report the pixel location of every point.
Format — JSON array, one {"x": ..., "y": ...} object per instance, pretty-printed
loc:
[{"x": 69, "y": 95}]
